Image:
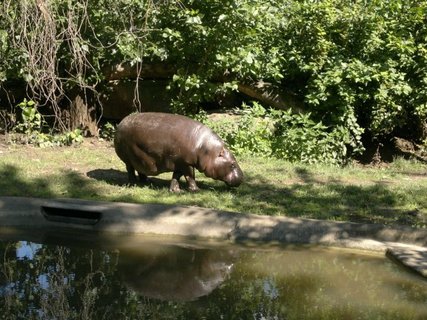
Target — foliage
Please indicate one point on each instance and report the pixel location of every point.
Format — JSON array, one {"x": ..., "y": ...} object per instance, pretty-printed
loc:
[
  {"x": 359, "y": 66},
  {"x": 31, "y": 119},
  {"x": 250, "y": 133},
  {"x": 297, "y": 138},
  {"x": 215, "y": 44},
  {"x": 60, "y": 46},
  {"x": 31, "y": 129},
  {"x": 107, "y": 131},
  {"x": 282, "y": 134},
  {"x": 368, "y": 59}
]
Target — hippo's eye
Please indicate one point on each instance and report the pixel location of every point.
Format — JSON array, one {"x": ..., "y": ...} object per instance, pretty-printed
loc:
[{"x": 233, "y": 165}]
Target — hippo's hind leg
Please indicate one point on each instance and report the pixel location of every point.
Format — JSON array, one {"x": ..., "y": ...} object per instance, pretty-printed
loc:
[
  {"x": 131, "y": 174},
  {"x": 143, "y": 178}
]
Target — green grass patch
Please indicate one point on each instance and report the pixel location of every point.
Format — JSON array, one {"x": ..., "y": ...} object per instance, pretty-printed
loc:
[{"x": 391, "y": 194}]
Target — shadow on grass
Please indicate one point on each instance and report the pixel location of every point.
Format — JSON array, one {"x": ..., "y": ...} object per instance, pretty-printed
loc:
[
  {"x": 74, "y": 185},
  {"x": 332, "y": 200},
  {"x": 308, "y": 199},
  {"x": 120, "y": 178}
]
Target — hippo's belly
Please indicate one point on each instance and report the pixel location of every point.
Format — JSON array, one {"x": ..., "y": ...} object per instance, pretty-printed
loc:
[{"x": 151, "y": 164}]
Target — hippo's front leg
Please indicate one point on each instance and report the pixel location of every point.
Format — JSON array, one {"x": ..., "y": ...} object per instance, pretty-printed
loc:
[
  {"x": 188, "y": 173},
  {"x": 174, "y": 186},
  {"x": 191, "y": 180}
]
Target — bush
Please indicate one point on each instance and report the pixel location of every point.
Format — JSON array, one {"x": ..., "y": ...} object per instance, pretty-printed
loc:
[
  {"x": 284, "y": 135},
  {"x": 361, "y": 60},
  {"x": 298, "y": 138},
  {"x": 107, "y": 131},
  {"x": 32, "y": 129}
]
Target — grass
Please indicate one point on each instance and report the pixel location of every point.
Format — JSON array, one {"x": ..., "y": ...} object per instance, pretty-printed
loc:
[{"x": 390, "y": 194}]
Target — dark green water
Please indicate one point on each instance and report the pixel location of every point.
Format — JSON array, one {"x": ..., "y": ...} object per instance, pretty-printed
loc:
[{"x": 74, "y": 276}]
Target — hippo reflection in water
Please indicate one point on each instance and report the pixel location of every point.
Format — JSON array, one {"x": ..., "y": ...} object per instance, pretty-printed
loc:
[{"x": 175, "y": 274}]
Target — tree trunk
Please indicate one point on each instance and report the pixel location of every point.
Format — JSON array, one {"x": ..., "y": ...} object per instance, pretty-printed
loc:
[
  {"x": 272, "y": 96},
  {"x": 264, "y": 92},
  {"x": 81, "y": 116}
]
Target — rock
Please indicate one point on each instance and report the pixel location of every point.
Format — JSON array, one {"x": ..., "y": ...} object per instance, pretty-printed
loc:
[{"x": 413, "y": 257}]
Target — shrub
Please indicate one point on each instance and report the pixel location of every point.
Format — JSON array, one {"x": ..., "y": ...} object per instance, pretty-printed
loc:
[
  {"x": 298, "y": 138},
  {"x": 31, "y": 129},
  {"x": 107, "y": 131},
  {"x": 284, "y": 135}
]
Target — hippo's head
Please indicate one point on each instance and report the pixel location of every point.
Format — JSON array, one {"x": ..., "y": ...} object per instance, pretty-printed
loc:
[{"x": 223, "y": 166}]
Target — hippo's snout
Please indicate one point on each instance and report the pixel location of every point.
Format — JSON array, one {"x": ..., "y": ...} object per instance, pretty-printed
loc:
[
  {"x": 234, "y": 184},
  {"x": 234, "y": 178}
]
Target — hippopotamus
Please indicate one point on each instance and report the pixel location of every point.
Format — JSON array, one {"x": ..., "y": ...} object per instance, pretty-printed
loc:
[{"x": 151, "y": 143}]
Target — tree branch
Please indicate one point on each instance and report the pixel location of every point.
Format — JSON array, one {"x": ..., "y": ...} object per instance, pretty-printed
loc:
[{"x": 262, "y": 91}]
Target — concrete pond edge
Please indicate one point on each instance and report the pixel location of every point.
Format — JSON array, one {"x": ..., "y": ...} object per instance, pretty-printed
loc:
[{"x": 405, "y": 245}]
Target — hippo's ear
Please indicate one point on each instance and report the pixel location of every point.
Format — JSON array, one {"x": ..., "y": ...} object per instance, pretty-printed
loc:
[{"x": 221, "y": 153}]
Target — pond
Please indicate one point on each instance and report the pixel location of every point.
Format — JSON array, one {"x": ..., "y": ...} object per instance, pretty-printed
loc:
[{"x": 69, "y": 275}]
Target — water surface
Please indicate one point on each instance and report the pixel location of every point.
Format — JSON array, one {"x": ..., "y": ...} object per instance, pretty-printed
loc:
[{"x": 59, "y": 275}]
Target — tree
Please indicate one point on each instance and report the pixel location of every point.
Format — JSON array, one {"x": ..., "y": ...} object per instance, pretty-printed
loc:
[{"x": 353, "y": 65}]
